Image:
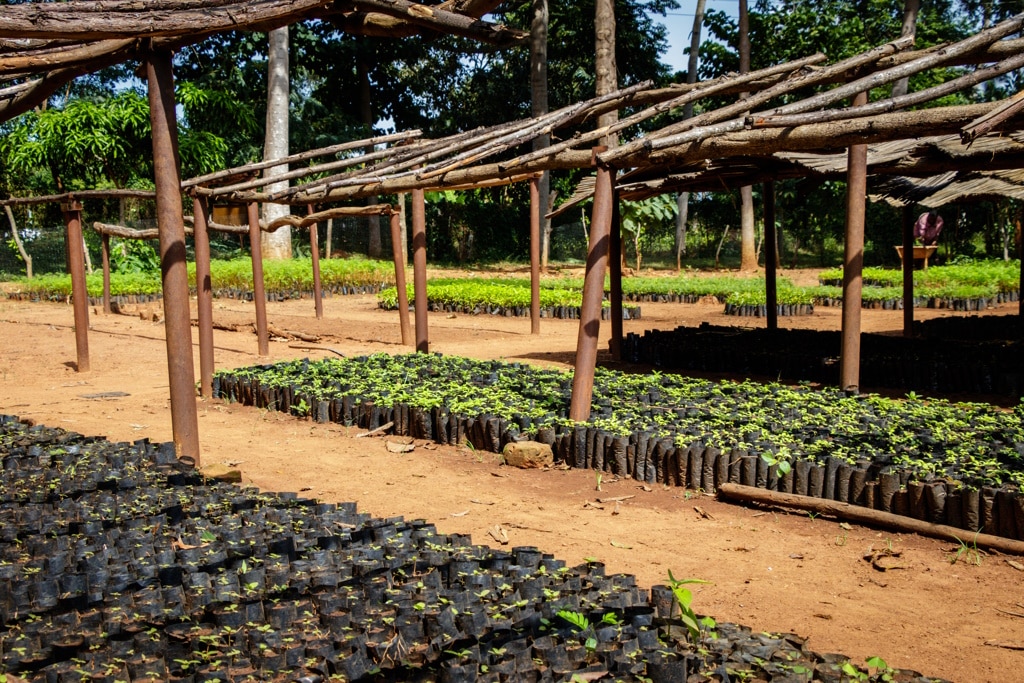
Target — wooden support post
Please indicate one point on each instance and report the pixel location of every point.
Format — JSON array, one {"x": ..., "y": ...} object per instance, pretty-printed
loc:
[
  {"x": 173, "y": 264},
  {"x": 79, "y": 290},
  {"x": 593, "y": 294},
  {"x": 105, "y": 246},
  {"x": 259, "y": 290},
  {"x": 398, "y": 255},
  {"x": 771, "y": 291},
  {"x": 615, "y": 280},
  {"x": 419, "y": 268},
  {"x": 908, "y": 270},
  {"x": 853, "y": 261},
  {"x": 204, "y": 295},
  {"x": 536, "y": 210},
  {"x": 314, "y": 250}
]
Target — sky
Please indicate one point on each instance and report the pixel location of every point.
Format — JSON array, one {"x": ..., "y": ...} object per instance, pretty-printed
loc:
[{"x": 679, "y": 24}]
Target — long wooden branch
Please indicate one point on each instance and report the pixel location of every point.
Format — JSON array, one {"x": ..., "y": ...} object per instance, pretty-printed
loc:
[
  {"x": 79, "y": 194},
  {"x": 863, "y": 515},
  {"x": 301, "y": 156},
  {"x": 129, "y": 233},
  {"x": 695, "y": 134},
  {"x": 441, "y": 20},
  {"x": 40, "y": 60},
  {"x": 893, "y": 103},
  {"x": 740, "y": 108},
  {"x": 526, "y": 130},
  {"x": 84, "y": 20},
  {"x": 692, "y": 93},
  {"x": 927, "y": 61},
  {"x": 336, "y": 212},
  {"x": 1007, "y": 109},
  {"x": 820, "y": 137}
]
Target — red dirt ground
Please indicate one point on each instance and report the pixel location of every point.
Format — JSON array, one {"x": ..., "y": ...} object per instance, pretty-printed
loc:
[{"x": 772, "y": 570}]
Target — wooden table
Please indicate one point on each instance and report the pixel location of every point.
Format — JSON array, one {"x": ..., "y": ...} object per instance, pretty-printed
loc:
[{"x": 920, "y": 254}]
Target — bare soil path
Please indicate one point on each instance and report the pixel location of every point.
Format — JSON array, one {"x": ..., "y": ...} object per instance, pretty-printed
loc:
[{"x": 769, "y": 569}]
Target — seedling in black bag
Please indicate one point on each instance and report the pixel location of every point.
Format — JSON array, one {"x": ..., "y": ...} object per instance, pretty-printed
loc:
[{"x": 684, "y": 597}]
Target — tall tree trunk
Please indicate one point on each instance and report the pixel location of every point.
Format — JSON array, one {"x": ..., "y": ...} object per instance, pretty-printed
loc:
[
  {"x": 604, "y": 65},
  {"x": 748, "y": 250},
  {"x": 910, "y": 9},
  {"x": 373, "y": 248},
  {"x": 539, "y": 107},
  {"x": 18, "y": 243},
  {"x": 683, "y": 198},
  {"x": 277, "y": 244}
]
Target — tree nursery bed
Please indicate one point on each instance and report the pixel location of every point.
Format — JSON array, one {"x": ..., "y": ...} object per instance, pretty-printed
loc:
[{"x": 773, "y": 571}]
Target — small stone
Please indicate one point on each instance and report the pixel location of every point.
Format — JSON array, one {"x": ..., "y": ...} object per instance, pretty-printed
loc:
[
  {"x": 222, "y": 472},
  {"x": 528, "y": 454}
]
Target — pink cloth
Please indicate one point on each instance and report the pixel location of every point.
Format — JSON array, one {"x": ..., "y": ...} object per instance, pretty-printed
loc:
[{"x": 927, "y": 228}]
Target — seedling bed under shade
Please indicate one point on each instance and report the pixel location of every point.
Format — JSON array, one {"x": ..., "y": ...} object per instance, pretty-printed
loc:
[
  {"x": 948, "y": 365},
  {"x": 956, "y": 464},
  {"x": 118, "y": 563}
]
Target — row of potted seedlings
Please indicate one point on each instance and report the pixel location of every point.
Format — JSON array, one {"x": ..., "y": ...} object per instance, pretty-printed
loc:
[
  {"x": 934, "y": 364},
  {"x": 957, "y": 464},
  {"x": 139, "y": 569}
]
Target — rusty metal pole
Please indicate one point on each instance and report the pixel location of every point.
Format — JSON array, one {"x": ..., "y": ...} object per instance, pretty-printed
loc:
[
  {"x": 853, "y": 261},
  {"x": 399, "y": 258},
  {"x": 314, "y": 250},
  {"x": 419, "y": 268},
  {"x": 259, "y": 291},
  {"x": 204, "y": 295},
  {"x": 173, "y": 264},
  {"x": 593, "y": 294},
  {"x": 105, "y": 244},
  {"x": 535, "y": 213},
  {"x": 771, "y": 291},
  {"x": 908, "y": 271},
  {"x": 79, "y": 290},
  {"x": 615, "y": 280}
]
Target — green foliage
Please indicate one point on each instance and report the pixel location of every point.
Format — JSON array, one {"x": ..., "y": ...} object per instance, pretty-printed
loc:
[
  {"x": 134, "y": 256},
  {"x": 963, "y": 443},
  {"x": 684, "y": 598}
]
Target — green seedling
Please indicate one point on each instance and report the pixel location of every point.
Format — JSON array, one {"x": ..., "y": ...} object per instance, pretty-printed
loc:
[{"x": 684, "y": 598}]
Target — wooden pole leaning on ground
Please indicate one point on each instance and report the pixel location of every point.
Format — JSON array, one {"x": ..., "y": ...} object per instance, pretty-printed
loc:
[
  {"x": 398, "y": 255},
  {"x": 204, "y": 295},
  {"x": 863, "y": 515},
  {"x": 173, "y": 265},
  {"x": 79, "y": 292},
  {"x": 593, "y": 294}
]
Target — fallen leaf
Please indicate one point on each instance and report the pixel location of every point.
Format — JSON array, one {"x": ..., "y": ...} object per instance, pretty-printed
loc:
[
  {"x": 645, "y": 488},
  {"x": 1016, "y": 565},
  {"x": 481, "y": 502},
  {"x": 822, "y": 615},
  {"x": 305, "y": 488},
  {"x": 743, "y": 549},
  {"x": 616, "y": 544},
  {"x": 594, "y": 506},
  {"x": 499, "y": 474},
  {"x": 459, "y": 514},
  {"x": 844, "y": 525},
  {"x": 702, "y": 512},
  {"x": 616, "y": 510},
  {"x": 796, "y": 556}
]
